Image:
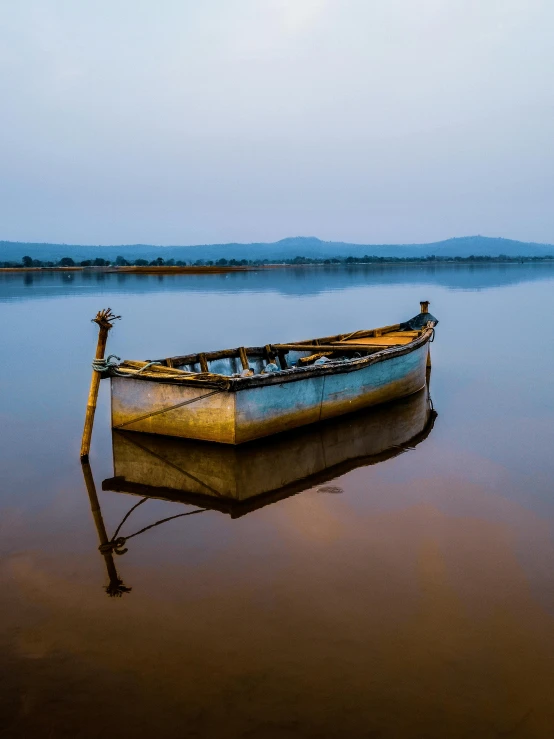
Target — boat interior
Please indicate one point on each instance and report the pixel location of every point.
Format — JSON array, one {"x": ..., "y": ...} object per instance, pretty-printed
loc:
[
  {"x": 244, "y": 361},
  {"x": 259, "y": 360}
]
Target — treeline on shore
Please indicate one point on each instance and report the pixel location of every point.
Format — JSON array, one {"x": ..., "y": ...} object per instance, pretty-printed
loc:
[{"x": 27, "y": 262}]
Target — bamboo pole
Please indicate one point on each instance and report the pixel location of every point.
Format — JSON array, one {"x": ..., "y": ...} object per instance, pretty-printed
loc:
[
  {"x": 104, "y": 320},
  {"x": 116, "y": 588}
]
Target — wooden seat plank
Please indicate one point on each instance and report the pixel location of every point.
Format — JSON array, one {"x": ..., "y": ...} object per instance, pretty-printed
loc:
[{"x": 386, "y": 340}]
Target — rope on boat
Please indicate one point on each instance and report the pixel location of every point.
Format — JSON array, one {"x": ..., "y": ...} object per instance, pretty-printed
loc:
[
  {"x": 105, "y": 365},
  {"x": 117, "y": 543},
  {"x": 139, "y": 370},
  {"x": 126, "y": 516},
  {"x": 110, "y": 368},
  {"x": 108, "y": 365}
]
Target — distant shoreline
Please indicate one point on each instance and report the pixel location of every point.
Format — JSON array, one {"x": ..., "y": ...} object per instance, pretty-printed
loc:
[
  {"x": 222, "y": 269},
  {"x": 141, "y": 270}
]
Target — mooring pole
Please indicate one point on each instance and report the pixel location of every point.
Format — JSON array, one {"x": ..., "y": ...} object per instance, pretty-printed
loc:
[
  {"x": 104, "y": 320},
  {"x": 116, "y": 588},
  {"x": 424, "y": 305}
]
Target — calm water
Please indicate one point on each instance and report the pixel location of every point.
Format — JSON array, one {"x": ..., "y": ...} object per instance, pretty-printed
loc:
[{"x": 417, "y": 602}]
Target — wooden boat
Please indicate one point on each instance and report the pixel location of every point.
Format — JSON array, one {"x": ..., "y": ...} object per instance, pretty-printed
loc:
[
  {"x": 239, "y": 479},
  {"x": 237, "y": 395}
]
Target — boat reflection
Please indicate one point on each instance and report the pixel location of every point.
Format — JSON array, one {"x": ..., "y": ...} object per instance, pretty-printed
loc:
[
  {"x": 237, "y": 480},
  {"x": 115, "y": 587}
]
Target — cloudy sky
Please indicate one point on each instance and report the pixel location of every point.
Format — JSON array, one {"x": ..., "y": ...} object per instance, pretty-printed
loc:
[{"x": 198, "y": 121}]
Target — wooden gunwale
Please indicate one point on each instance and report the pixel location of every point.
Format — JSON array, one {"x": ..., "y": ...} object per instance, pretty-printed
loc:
[
  {"x": 373, "y": 355},
  {"x": 331, "y": 347}
]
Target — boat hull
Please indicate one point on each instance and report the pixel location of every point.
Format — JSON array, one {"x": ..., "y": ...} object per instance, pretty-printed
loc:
[{"x": 280, "y": 403}]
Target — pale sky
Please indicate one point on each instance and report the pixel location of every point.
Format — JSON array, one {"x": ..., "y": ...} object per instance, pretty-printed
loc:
[{"x": 181, "y": 122}]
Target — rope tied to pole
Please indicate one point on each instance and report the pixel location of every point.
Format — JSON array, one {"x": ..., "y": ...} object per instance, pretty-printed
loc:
[
  {"x": 108, "y": 366},
  {"x": 116, "y": 545},
  {"x": 105, "y": 365}
]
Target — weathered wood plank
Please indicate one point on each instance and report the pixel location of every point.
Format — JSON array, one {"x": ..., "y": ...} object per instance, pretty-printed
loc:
[
  {"x": 327, "y": 347},
  {"x": 381, "y": 340},
  {"x": 130, "y": 364},
  {"x": 243, "y": 358}
]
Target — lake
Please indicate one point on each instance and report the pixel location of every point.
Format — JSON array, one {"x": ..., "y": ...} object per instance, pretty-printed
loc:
[{"x": 406, "y": 595}]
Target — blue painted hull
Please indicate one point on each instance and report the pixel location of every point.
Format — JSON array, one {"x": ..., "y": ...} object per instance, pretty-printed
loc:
[{"x": 266, "y": 410}]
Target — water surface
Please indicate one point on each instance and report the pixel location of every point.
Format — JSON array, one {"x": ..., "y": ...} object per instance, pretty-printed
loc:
[{"x": 412, "y": 597}]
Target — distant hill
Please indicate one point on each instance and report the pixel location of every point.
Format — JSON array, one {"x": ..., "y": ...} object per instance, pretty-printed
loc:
[{"x": 285, "y": 249}]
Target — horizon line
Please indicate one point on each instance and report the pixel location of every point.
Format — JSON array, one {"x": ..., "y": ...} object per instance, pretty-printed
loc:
[{"x": 271, "y": 243}]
